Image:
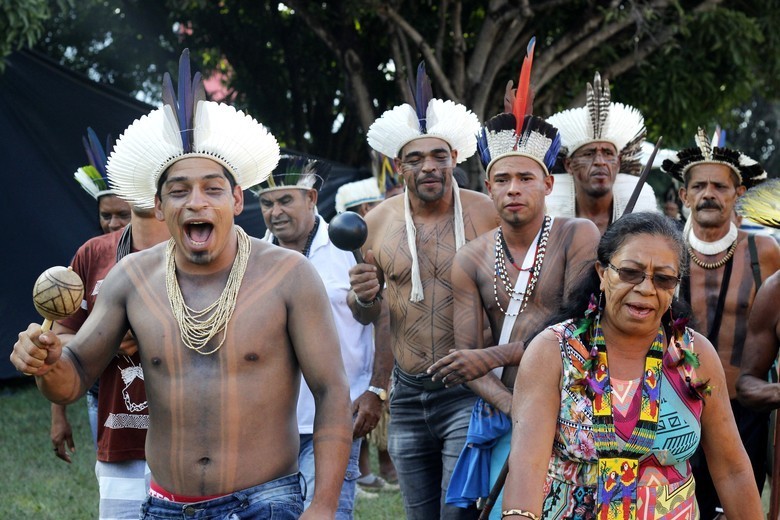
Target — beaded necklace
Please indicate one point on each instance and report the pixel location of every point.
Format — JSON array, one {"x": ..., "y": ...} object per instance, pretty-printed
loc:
[
  {"x": 502, "y": 249},
  {"x": 618, "y": 470},
  {"x": 713, "y": 265},
  {"x": 197, "y": 329},
  {"x": 309, "y": 239}
]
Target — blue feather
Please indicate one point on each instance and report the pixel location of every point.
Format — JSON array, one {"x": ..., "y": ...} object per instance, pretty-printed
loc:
[
  {"x": 482, "y": 146},
  {"x": 97, "y": 150},
  {"x": 552, "y": 152}
]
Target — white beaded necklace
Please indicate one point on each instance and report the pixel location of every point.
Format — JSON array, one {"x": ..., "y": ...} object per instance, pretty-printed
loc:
[{"x": 198, "y": 327}]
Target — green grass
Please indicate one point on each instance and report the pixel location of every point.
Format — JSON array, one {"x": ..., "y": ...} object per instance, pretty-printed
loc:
[{"x": 36, "y": 484}]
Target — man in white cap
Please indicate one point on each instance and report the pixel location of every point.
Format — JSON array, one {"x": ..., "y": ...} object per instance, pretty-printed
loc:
[
  {"x": 727, "y": 268},
  {"x": 288, "y": 202},
  {"x": 598, "y": 141},
  {"x": 359, "y": 196},
  {"x": 411, "y": 244},
  {"x": 222, "y": 438}
]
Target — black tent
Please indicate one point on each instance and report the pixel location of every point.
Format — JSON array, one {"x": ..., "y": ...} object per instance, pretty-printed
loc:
[{"x": 44, "y": 111}]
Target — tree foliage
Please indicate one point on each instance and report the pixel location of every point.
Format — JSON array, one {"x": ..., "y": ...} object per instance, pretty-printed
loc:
[
  {"x": 318, "y": 73},
  {"x": 22, "y": 22}
]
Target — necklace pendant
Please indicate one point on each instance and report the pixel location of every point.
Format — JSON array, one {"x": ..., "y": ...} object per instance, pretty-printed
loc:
[{"x": 617, "y": 483}]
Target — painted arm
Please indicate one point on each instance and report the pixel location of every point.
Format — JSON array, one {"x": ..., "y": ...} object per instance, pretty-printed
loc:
[
  {"x": 761, "y": 346},
  {"x": 64, "y": 373},
  {"x": 580, "y": 255},
  {"x": 470, "y": 359},
  {"x": 365, "y": 282},
  {"x": 316, "y": 344},
  {"x": 367, "y": 408}
]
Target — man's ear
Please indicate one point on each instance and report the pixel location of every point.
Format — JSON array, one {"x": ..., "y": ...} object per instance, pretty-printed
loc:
[
  {"x": 312, "y": 195},
  {"x": 741, "y": 190},
  {"x": 567, "y": 164},
  {"x": 238, "y": 200},
  {"x": 158, "y": 212},
  {"x": 549, "y": 181},
  {"x": 684, "y": 196}
]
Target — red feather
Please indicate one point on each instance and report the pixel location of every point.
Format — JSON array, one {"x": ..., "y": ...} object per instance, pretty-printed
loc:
[{"x": 522, "y": 99}]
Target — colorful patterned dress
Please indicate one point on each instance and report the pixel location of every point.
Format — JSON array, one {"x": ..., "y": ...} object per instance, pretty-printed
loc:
[{"x": 665, "y": 485}]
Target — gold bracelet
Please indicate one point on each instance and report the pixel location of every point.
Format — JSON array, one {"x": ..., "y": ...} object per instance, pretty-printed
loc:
[{"x": 519, "y": 512}]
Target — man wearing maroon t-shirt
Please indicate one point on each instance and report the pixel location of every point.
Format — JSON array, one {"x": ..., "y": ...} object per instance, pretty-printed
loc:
[{"x": 122, "y": 412}]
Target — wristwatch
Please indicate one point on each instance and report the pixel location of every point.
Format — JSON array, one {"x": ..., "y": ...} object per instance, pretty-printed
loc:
[{"x": 380, "y": 392}]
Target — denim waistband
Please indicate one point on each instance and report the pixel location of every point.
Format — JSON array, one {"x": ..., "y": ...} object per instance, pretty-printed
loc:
[
  {"x": 289, "y": 484},
  {"x": 423, "y": 381}
]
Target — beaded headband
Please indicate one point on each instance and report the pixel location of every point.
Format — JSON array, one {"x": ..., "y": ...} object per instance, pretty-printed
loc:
[
  {"x": 295, "y": 171},
  {"x": 602, "y": 120},
  {"x": 356, "y": 193},
  {"x": 92, "y": 177},
  {"x": 189, "y": 127},
  {"x": 448, "y": 121},
  {"x": 749, "y": 172}
]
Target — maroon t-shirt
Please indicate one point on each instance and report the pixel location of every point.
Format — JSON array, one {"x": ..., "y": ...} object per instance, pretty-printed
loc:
[{"x": 123, "y": 416}]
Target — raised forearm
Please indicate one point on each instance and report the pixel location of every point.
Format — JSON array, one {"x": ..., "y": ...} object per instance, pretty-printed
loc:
[
  {"x": 64, "y": 383},
  {"x": 366, "y": 313},
  {"x": 758, "y": 394}
]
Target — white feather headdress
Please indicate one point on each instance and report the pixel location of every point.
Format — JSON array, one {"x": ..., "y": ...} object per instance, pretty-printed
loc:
[
  {"x": 191, "y": 127},
  {"x": 449, "y": 121},
  {"x": 601, "y": 120},
  {"x": 356, "y": 193}
]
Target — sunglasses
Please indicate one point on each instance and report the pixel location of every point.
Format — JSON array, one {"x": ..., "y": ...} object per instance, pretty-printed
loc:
[{"x": 637, "y": 276}]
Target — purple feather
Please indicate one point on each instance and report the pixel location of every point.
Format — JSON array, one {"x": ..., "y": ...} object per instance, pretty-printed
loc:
[
  {"x": 169, "y": 96},
  {"x": 422, "y": 96},
  {"x": 88, "y": 151},
  {"x": 185, "y": 100},
  {"x": 198, "y": 93}
]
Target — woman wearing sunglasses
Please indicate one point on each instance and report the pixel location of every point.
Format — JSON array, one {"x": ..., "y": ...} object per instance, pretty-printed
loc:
[{"x": 612, "y": 400}]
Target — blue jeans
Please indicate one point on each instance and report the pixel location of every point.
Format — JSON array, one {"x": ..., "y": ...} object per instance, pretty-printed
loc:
[
  {"x": 426, "y": 434},
  {"x": 92, "y": 413},
  {"x": 278, "y": 499},
  {"x": 306, "y": 467}
]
